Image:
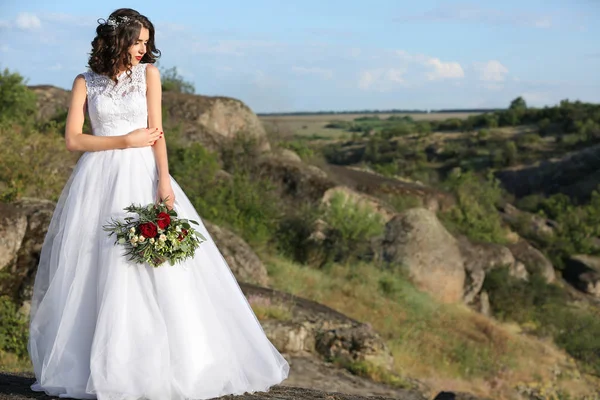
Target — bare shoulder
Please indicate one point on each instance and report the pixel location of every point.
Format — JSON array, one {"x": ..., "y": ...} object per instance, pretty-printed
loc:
[
  {"x": 79, "y": 83},
  {"x": 152, "y": 72}
]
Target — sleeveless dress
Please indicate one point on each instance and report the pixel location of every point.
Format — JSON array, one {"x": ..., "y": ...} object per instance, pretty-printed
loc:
[{"x": 102, "y": 327}]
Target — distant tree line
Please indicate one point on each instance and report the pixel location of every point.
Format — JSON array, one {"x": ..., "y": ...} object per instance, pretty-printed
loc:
[{"x": 370, "y": 112}]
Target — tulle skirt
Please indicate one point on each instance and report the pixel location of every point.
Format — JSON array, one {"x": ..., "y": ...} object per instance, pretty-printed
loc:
[{"x": 103, "y": 327}]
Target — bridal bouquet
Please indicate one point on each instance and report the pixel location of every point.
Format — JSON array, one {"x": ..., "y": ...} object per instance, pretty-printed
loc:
[{"x": 156, "y": 235}]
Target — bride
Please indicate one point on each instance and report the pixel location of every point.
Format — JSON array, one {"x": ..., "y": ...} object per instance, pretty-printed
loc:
[{"x": 103, "y": 327}]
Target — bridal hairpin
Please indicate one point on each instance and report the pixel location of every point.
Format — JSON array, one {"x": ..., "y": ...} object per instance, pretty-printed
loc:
[{"x": 114, "y": 21}]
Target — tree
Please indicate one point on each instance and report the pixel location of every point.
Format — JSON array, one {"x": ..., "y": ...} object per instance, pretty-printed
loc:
[
  {"x": 17, "y": 101},
  {"x": 518, "y": 104},
  {"x": 173, "y": 82}
]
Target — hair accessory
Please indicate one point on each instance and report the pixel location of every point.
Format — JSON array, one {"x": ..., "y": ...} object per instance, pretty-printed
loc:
[{"x": 114, "y": 22}]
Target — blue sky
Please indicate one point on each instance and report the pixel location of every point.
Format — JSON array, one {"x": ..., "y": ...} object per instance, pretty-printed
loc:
[{"x": 335, "y": 55}]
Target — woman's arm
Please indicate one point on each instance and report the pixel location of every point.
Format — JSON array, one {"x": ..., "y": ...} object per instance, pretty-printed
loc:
[
  {"x": 154, "y": 98},
  {"x": 76, "y": 140}
]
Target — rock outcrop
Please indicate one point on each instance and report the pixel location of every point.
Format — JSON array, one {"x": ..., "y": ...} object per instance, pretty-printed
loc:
[
  {"x": 242, "y": 260},
  {"x": 576, "y": 174},
  {"x": 299, "y": 181},
  {"x": 533, "y": 259},
  {"x": 315, "y": 329},
  {"x": 378, "y": 185},
  {"x": 417, "y": 240},
  {"x": 51, "y": 101},
  {"x": 213, "y": 120},
  {"x": 23, "y": 226},
  {"x": 583, "y": 272}
]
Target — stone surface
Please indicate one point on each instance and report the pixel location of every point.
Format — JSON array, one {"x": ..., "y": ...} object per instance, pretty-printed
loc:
[
  {"x": 583, "y": 272},
  {"x": 242, "y": 260},
  {"x": 213, "y": 120},
  {"x": 417, "y": 240},
  {"x": 299, "y": 181},
  {"x": 535, "y": 262},
  {"x": 32, "y": 215},
  {"x": 479, "y": 258},
  {"x": 316, "y": 329},
  {"x": 576, "y": 174}
]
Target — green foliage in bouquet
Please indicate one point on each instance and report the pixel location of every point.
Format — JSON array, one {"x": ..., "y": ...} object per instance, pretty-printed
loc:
[{"x": 156, "y": 235}]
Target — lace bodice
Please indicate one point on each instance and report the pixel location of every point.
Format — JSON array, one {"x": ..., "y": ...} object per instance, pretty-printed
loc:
[{"x": 117, "y": 108}]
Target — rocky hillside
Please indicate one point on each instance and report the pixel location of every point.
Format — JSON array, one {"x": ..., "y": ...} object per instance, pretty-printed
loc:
[{"x": 328, "y": 224}]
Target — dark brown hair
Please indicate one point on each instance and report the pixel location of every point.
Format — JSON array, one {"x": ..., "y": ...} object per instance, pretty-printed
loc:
[{"x": 113, "y": 38}]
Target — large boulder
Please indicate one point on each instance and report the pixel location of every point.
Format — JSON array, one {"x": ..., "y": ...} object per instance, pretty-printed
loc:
[
  {"x": 213, "y": 120},
  {"x": 417, "y": 240},
  {"x": 583, "y": 272},
  {"x": 51, "y": 101},
  {"x": 533, "y": 259},
  {"x": 480, "y": 258},
  {"x": 299, "y": 181},
  {"x": 242, "y": 260}
]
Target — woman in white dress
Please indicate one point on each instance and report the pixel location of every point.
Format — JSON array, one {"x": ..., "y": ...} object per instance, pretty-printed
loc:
[{"x": 103, "y": 327}]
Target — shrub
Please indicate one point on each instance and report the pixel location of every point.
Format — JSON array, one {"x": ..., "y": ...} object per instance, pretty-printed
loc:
[
  {"x": 247, "y": 204},
  {"x": 17, "y": 102},
  {"x": 32, "y": 163},
  {"x": 13, "y": 328},
  {"x": 475, "y": 214},
  {"x": 545, "y": 308},
  {"x": 351, "y": 226},
  {"x": 172, "y": 81}
]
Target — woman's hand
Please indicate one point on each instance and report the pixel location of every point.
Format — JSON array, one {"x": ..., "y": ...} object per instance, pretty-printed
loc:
[
  {"x": 165, "y": 191},
  {"x": 143, "y": 137}
]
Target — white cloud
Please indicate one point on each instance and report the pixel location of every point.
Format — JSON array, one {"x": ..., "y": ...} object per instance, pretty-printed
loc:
[
  {"x": 28, "y": 21},
  {"x": 322, "y": 72},
  {"x": 444, "y": 70},
  {"x": 436, "y": 68},
  {"x": 380, "y": 79},
  {"x": 491, "y": 71}
]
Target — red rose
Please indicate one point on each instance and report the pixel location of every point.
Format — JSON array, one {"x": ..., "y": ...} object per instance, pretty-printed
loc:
[
  {"x": 182, "y": 235},
  {"x": 149, "y": 230},
  {"x": 163, "y": 220}
]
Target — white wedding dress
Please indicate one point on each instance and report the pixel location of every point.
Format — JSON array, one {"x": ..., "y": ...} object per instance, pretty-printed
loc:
[{"x": 102, "y": 327}]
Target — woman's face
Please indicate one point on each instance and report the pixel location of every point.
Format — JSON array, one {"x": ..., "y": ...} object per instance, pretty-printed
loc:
[{"x": 137, "y": 51}]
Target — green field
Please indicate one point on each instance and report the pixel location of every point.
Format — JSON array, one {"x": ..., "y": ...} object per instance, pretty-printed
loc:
[{"x": 309, "y": 125}]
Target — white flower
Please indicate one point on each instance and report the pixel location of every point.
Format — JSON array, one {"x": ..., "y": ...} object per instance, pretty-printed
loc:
[
  {"x": 178, "y": 228},
  {"x": 162, "y": 238},
  {"x": 134, "y": 245},
  {"x": 151, "y": 240},
  {"x": 141, "y": 238},
  {"x": 132, "y": 229},
  {"x": 122, "y": 241},
  {"x": 134, "y": 239}
]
